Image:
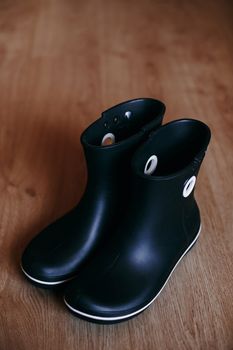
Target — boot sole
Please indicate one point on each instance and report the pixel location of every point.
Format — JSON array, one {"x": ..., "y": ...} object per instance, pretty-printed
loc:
[
  {"x": 41, "y": 283},
  {"x": 110, "y": 320}
]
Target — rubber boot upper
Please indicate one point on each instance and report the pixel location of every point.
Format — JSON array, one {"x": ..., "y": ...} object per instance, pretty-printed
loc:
[
  {"x": 58, "y": 252},
  {"x": 160, "y": 224}
]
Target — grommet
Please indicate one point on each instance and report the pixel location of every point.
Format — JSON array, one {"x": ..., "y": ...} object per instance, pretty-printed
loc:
[
  {"x": 151, "y": 165},
  {"x": 189, "y": 186},
  {"x": 128, "y": 114},
  {"x": 108, "y": 139}
]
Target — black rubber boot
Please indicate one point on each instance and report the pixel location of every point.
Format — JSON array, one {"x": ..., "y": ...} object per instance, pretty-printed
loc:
[
  {"x": 56, "y": 254},
  {"x": 160, "y": 225}
]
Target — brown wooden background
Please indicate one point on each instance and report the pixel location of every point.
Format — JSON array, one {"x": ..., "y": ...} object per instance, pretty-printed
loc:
[{"x": 61, "y": 63}]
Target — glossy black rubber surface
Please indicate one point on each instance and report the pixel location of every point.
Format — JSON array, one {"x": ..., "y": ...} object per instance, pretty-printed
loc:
[
  {"x": 156, "y": 230},
  {"x": 57, "y": 253}
]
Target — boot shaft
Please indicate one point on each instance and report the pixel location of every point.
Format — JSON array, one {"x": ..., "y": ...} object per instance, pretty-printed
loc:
[
  {"x": 129, "y": 124},
  {"x": 167, "y": 164},
  {"x": 163, "y": 188}
]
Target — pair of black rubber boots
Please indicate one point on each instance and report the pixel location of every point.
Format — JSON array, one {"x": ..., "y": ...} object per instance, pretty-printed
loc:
[{"x": 136, "y": 220}]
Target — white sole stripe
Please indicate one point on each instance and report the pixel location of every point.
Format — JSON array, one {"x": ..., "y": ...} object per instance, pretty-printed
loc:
[{"x": 43, "y": 282}]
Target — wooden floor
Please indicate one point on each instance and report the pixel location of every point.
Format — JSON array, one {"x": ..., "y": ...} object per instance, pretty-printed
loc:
[{"x": 62, "y": 62}]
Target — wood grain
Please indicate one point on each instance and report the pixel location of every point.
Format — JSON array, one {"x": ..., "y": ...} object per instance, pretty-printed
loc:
[{"x": 63, "y": 62}]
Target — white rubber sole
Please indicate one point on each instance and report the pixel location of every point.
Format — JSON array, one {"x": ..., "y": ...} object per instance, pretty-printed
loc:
[
  {"x": 44, "y": 282},
  {"x": 118, "y": 318}
]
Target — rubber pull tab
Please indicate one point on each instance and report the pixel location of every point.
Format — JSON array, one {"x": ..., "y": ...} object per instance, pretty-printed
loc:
[{"x": 108, "y": 139}]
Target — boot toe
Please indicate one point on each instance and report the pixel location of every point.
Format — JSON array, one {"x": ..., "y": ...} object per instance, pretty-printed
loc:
[
  {"x": 43, "y": 261},
  {"x": 105, "y": 302},
  {"x": 43, "y": 267},
  {"x": 93, "y": 309},
  {"x": 41, "y": 271}
]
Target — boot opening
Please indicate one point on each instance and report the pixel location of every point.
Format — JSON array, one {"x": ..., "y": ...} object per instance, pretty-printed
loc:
[
  {"x": 123, "y": 121},
  {"x": 175, "y": 146}
]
